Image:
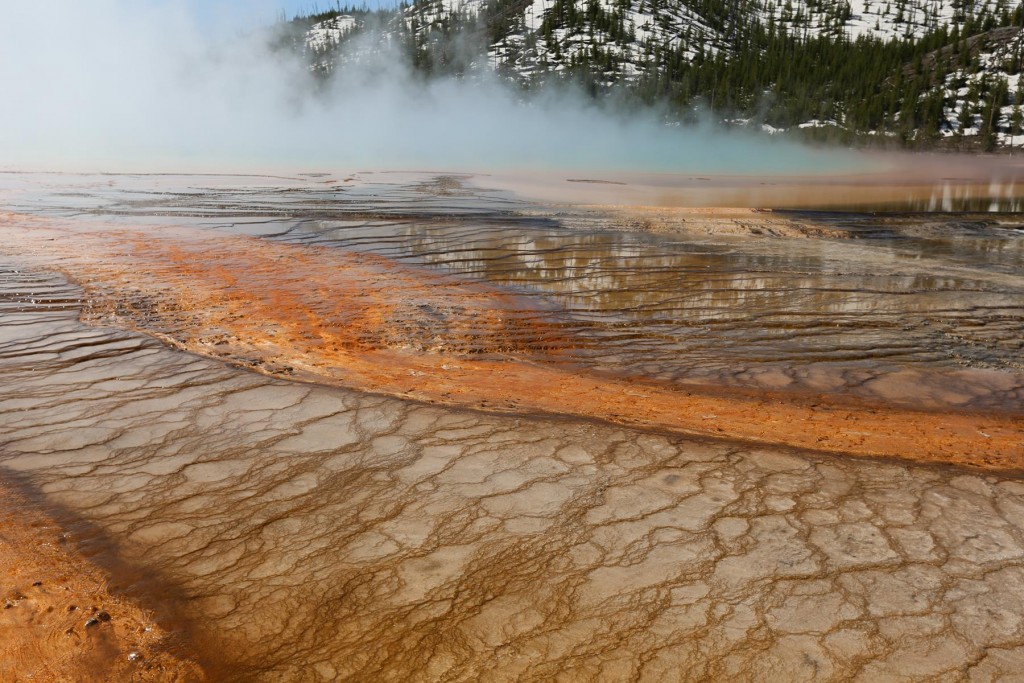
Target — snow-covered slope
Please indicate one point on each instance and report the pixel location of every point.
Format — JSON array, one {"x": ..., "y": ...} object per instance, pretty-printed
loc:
[
  {"x": 555, "y": 34},
  {"x": 327, "y": 34},
  {"x": 552, "y": 35},
  {"x": 645, "y": 42},
  {"x": 996, "y": 53},
  {"x": 883, "y": 19}
]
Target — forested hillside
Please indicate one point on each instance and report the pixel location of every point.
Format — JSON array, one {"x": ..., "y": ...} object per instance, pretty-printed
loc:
[{"x": 916, "y": 73}]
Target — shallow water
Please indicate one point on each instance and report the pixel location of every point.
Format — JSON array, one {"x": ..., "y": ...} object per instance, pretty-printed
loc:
[
  {"x": 920, "y": 310},
  {"x": 303, "y": 532},
  {"x": 826, "y": 315},
  {"x": 310, "y": 533}
]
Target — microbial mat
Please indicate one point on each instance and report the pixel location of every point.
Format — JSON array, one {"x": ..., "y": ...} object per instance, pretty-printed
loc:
[{"x": 409, "y": 427}]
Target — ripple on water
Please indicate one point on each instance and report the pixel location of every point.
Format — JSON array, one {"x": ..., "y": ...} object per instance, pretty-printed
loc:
[{"x": 317, "y": 533}]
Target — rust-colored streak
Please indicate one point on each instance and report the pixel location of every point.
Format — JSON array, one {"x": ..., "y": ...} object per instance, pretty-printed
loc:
[
  {"x": 59, "y": 619},
  {"x": 371, "y": 323}
]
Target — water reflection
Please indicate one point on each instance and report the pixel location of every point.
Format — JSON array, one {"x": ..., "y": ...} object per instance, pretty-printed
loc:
[
  {"x": 828, "y": 314},
  {"x": 311, "y": 533},
  {"x": 928, "y": 302}
]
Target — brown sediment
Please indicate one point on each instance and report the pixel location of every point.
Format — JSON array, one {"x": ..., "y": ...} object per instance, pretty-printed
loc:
[
  {"x": 368, "y": 322},
  {"x": 795, "y": 193},
  {"x": 712, "y": 221},
  {"x": 59, "y": 621},
  {"x": 930, "y": 182},
  {"x": 739, "y": 221},
  {"x": 308, "y": 533}
]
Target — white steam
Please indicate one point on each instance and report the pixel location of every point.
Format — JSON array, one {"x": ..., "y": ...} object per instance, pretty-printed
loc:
[{"x": 129, "y": 85}]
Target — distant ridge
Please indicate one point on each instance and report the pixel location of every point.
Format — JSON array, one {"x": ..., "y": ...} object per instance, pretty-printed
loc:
[{"x": 913, "y": 73}]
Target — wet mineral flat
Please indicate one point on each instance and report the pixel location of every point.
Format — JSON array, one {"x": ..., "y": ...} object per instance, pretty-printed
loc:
[{"x": 288, "y": 530}]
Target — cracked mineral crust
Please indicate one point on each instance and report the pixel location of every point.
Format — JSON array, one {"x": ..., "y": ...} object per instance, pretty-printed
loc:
[{"x": 316, "y": 531}]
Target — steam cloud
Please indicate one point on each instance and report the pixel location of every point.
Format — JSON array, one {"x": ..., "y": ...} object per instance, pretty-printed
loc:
[{"x": 126, "y": 85}]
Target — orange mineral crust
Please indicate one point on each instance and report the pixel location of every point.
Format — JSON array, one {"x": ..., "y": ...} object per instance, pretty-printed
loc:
[
  {"x": 59, "y": 621},
  {"x": 370, "y": 323}
]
